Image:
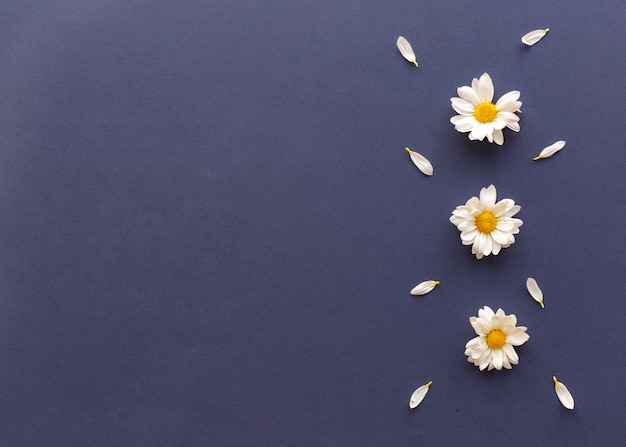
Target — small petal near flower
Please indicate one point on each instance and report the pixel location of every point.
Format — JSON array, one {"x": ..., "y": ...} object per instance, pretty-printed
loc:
[
  {"x": 533, "y": 37},
  {"x": 407, "y": 51},
  {"x": 563, "y": 394},
  {"x": 550, "y": 150},
  {"x": 419, "y": 394},
  {"x": 421, "y": 162},
  {"x": 534, "y": 290},
  {"x": 424, "y": 287}
]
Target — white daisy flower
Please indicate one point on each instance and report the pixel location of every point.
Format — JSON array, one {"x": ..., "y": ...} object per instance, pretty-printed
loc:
[
  {"x": 479, "y": 116},
  {"x": 497, "y": 334},
  {"x": 486, "y": 225}
]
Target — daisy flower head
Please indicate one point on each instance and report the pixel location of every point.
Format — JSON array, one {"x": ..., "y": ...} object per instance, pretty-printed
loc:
[
  {"x": 486, "y": 225},
  {"x": 478, "y": 115},
  {"x": 497, "y": 334}
]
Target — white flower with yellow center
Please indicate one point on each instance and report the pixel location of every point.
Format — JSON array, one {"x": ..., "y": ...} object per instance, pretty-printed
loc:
[
  {"x": 497, "y": 334},
  {"x": 479, "y": 116},
  {"x": 486, "y": 225}
]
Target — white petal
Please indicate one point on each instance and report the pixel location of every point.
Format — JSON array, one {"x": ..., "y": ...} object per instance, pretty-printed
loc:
[
  {"x": 421, "y": 162},
  {"x": 485, "y": 88},
  {"x": 550, "y": 150},
  {"x": 481, "y": 353},
  {"x": 481, "y": 327},
  {"x": 468, "y": 237},
  {"x": 505, "y": 208},
  {"x": 463, "y": 123},
  {"x": 508, "y": 118},
  {"x": 475, "y": 84},
  {"x": 462, "y": 106},
  {"x": 509, "y": 322},
  {"x": 533, "y": 37},
  {"x": 498, "y": 137},
  {"x": 506, "y": 363},
  {"x": 468, "y": 94},
  {"x": 534, "y": 290},
  {"x": 405, "y": 48},
  {"x": 424, "y": 287},
  {"x": 479, "y": 132},
  {"x": 474, "y": 343},
  {"x": 495, "y": 246},
  {"x": 510, "y": 353},
  {"x": 487, "y": 244},
  {"x": 488, "y": 196},
  {"x": 467, "y": 226},
  {"x": 497, "y": 358},
  {"x": 499, "y": 237},
  {"x": 518, "y": 336},
  {"x": 490, "y": 133},
  {"x": 486, "y": 313},
  {"x": 563, "y": 394},
  {"x": 498, "y": 123},
  {"x": 508, "y": 101},
  {"x": 419, "y": 394}
]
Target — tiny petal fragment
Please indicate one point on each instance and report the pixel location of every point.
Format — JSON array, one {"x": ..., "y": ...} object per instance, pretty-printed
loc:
[
  {"x": 533, "y": 37},
  {"x": 563, "y": 394},
  {"x": 421, "y": 162},
  {"x": 424, "y": 287},
  {"x": 534, "y": 290},
  {"x": 419, "y": 394},
  {"x": 550, "y": 150},
  {"x": 407, "y": 51}
]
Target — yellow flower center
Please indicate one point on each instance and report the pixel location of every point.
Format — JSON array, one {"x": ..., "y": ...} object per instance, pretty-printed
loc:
[
  {"x": 496, "y": 339},
  {"x": 485, "y": 112},
  {"x": 486, "y": 222}
]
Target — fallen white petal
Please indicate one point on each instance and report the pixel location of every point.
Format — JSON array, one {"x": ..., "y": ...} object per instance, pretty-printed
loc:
[
  {"x": 421, "y": 162},
  {"x": 424, "y": 287},
  {"x": 535, "y": 36},
  {"x": 563, "y": 394},
  {"x": 550, "y": 150},
  {"x": 419, "y": 394},
  {"x": 407, "y": 51},
  {"x": 534, "y": 290}
]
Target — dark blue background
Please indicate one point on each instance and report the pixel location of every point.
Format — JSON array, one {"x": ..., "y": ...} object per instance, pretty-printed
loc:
[{"x": 209, "y": 226}]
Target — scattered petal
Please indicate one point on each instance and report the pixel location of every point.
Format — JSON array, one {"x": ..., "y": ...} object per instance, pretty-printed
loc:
[
  {"x": 407, "y": 51},
  {"x": 419, "y": 394},
  {"x": 421, "y": 162},
  {"x": 563, "y": 394},
  {"x": 550, "y": 150},
  {"x": 535, "y": 36},
  {"x": 424, "y": 287},
  {"x": 534, "y": 290}
]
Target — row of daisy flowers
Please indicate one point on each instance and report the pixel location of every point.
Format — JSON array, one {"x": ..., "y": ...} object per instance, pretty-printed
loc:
[{"x": 488, "y": 226}]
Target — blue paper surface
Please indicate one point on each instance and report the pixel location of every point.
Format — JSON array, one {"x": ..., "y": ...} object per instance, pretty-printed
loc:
[{"x": 209, "y": 225}]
